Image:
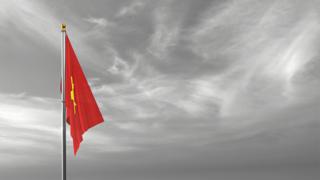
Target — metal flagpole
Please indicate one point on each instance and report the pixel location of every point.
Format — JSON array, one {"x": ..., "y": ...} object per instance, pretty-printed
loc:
[{"x": 63, "y": 73}]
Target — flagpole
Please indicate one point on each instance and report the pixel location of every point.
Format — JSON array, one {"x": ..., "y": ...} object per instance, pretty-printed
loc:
[{"x": 63, "y": 96}]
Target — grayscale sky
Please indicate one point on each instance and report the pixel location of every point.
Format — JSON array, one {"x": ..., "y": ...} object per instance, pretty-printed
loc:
[{"x": 189, "y": 89}]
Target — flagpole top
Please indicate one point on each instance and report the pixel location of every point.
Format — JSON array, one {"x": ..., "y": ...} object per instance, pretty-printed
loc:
[{"x": 63, "y": 27}]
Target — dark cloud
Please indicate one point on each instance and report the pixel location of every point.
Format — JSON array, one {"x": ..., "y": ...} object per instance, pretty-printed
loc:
[{"x": 188, "y": 89}]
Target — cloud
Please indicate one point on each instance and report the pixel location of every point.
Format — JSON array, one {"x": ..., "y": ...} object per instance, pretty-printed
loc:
[
  {"x": 29, "y": 124},
  {"x": 32, "y": 126},
  {"x": 263, "y": 66},
  {"x": 33, "y": 19},
  {"x": 165, "y": 34},
  {"x": 183, "y": 86},
  {"x": 130, "y": 9},
  {"x": 119, "y": 66},
  {"x": 101, "y": 22}
]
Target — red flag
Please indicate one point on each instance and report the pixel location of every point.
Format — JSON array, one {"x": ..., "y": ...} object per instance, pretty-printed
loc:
[{"x": 82, "y": 109}]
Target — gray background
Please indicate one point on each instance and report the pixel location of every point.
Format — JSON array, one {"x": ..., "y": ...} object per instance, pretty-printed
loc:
[{"x": 189, "y": 90}]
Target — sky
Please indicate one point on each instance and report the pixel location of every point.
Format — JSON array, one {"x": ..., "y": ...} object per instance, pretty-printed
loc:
[{"x": 189, "y": 90}]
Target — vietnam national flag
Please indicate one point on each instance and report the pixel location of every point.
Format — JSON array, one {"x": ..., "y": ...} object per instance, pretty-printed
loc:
[{"x": 81, "y": 108}]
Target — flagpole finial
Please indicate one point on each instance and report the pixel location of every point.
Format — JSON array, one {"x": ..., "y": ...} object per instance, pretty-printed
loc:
[{"x": 63, "y": 27}]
